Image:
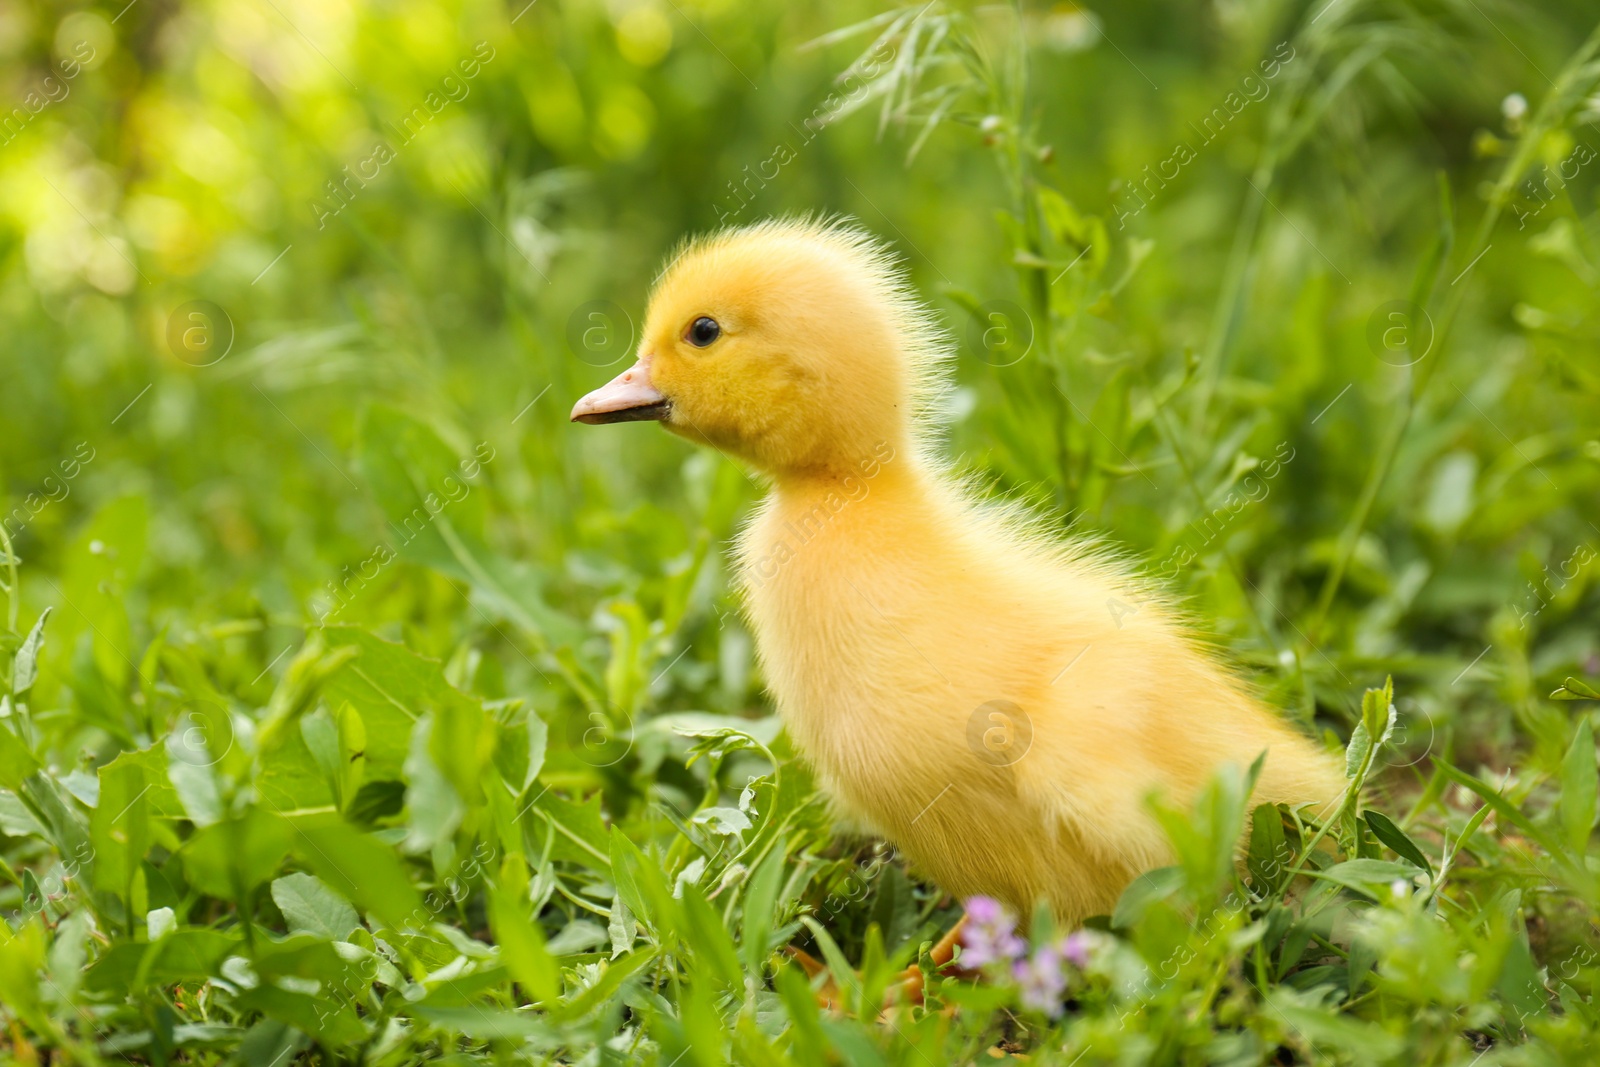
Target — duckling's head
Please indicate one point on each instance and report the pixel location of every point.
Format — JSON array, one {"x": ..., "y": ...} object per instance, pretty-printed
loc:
[{"x": 795, "y": 345}]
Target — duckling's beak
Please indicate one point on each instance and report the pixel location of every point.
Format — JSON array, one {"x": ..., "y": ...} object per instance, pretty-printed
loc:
[{"x": 629, "y": 397}]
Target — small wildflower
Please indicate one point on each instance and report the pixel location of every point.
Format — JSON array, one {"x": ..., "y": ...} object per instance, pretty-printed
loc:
[
  {"x": 1514, "y": 107},
  {"x": 1076, "y": 946},
  {"x": 1400, "y": 888},
  {"x": 1069, "y": 28},
  {"x": 1041, "y": 981},
  {"x": 990, "y": 934}
]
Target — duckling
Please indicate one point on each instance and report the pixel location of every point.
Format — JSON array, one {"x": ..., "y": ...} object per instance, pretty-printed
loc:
[{"x": 997, "y": 703}]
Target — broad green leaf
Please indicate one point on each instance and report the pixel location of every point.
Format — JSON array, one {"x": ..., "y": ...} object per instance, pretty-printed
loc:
[
  {"x": 1521, "y": 983},
  {"x": 725, "y": 822},
  {"x": 1158, "y": 884},
  {"x": 1578, "y": 787},
  {"x": 159, "y": 922},
  {"x": 500, "y": 825},
  {"x": 640, "y": 883},
  {"x": 352, "y": 751},
  {"x": 805, "y": 1018},
  {"x": 16, "y": 762},
  {"x": 337, "y": 965},
  {"x": 434, "y": 807},
  {"x": 1363, "y": 957},
  {"x": 878, "y": 970},
  {"x": 484, "y": 1024},
  {"x": 390, "y": 686},
  {"x": 99, "y": 567},
  {"x": 230, "y": 858},
  {"x": 705, "y": 933},
  {"x": 64, "y": 824},
  {"x": 15, "y": 818},
  {"x": 1386, "y": 831},
  {"x": 620, "y": 927},
  {"x": 119, "y": 826},
  {"x": 1269, "y": 855},
  {"x": 22, "y": 954},
  {"x": 321, "y": 767},
  {"x": 760, "y": 905},
  {"x": 321, "y": 738},
  {"x": 896, "y": 907},
  {"x": 1372, "y": 732},
  {"x": 327, "y": 1020},
  {"x": 358, "y": 867},
  {"x": 1364, "y": 1042},
  {"x": 1205, "y": 837},
  {"x": 376, "y": 800},
  {"x": 152, "y": 762},
  {"x": 191, "y": 770},
  {"x": 1357, "y": 751},
  {"x": 1576, "y": 689},
  {"x": 1363, "y": 875},
  {"x": 853, "y": 1043},
  {"x": 581, "y": 834},
  {"x": 522, "y": 943},
  {"x": 184, "y": 955},
  {"x": 577, "y": 937},
  {"x": 25, "y": 668},
  {"x": 311, "y": 907},
  {"x": 298, "y": 690},
  {"x": 1377, "y": 710},
  {"x": 514, "y": 588},
  {"x": 701, "y": 1025},
  {"x": 470, "y": 988},
  {"x": 462, "y": 745},
  {"x": 538, "y": 738},
  {"x": 270, "y": 1043},
  {"x": 69, "y": 953},
  {"x": 843, "y": 975}
]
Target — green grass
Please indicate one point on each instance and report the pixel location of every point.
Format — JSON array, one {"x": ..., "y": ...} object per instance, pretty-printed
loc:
[{"x": 358, "y": 709}]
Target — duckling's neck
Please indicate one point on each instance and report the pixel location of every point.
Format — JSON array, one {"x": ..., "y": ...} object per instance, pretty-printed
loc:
[
  {"x": 886, "y": 467},
  {"x": 819, "y": 517}
]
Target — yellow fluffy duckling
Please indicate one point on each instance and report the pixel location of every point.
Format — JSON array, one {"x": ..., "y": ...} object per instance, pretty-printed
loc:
[{"x": 997, "y": 705}]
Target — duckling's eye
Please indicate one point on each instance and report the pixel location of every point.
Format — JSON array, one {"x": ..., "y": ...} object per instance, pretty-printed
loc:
[{"x": 703, "y": 331}]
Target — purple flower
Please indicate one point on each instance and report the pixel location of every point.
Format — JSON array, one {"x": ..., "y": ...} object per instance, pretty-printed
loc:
[
  {"x": 984, "y": 910},
  {"x": 990, "y": 934},
  {"x": 1076, "y": 946},
  {"x": 1041, "y": 981}
]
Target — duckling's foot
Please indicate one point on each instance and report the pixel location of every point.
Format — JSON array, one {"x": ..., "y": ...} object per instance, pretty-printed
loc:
[
  {"x": 909, "y": 985},
  {"x": 828, "y": 996}
]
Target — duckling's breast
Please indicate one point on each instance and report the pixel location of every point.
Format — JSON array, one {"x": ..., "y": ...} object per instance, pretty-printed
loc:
[{"x": 871, "y": 643}]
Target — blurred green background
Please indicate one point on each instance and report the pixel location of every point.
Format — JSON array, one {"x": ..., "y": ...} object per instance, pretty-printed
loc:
[
  {"x": 200, "y": 152},
  {"x": 270, "y": 270}
]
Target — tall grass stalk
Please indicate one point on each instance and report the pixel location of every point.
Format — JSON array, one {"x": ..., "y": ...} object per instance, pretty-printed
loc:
[
  {"x": 1577, "y": 77},
  {"x": 1288, "y": 126},
  {"x": 12, "y": 590}
]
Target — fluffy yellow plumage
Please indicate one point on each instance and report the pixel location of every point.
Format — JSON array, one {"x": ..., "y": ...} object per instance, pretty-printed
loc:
[{"x": 996, "y": 704}]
